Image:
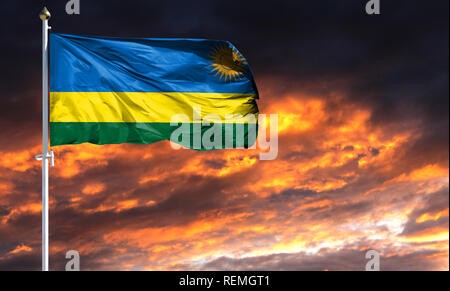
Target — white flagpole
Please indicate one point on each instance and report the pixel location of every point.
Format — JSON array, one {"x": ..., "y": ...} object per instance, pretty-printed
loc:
[{"x": 45, "y": 156}]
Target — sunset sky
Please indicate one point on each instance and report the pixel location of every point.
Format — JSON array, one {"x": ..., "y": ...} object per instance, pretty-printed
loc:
[{"x": 363, "y": 157}]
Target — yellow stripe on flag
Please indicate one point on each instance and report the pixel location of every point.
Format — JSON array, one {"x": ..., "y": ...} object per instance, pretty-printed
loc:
[{"x": 148, "y": 106}]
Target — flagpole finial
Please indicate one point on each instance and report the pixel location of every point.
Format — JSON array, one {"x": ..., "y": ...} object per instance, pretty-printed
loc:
[{"x": 45, "y": 14}]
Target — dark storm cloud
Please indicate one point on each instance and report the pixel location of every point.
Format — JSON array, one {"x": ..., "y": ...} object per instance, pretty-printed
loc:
[
  {"x": 326, "y": 259},
  {"x": 432, "y": 204},
  {"x": 399, "y": 56},
  {"x": 181, "y": 198},
  {"x": 21, "y": 262}
]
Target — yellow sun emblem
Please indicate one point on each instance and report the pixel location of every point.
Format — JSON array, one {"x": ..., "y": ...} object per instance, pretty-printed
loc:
[{"x": 228, "y": 62}]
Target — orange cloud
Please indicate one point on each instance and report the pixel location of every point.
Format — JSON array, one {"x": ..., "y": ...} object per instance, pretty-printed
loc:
[
  {"x": 430, "y": 235},
  {"x": 432, "y": 216},
  {"x": 21, "y": 248},
  {"x": 169, "y": 215},
  {"x": 93, "y": 188}
]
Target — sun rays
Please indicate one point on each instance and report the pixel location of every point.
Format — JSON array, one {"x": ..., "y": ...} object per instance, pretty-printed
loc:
[{"x": 228, "y": 62}]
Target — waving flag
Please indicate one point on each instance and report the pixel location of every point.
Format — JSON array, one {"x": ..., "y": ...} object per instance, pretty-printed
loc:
[{"x": 128, "y": 90}]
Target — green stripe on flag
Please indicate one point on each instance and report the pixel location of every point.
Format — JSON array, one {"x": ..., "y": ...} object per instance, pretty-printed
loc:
[{"x": 101, "y": 133}]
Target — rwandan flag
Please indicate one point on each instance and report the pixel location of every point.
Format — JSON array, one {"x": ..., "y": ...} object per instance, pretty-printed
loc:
[{"x": 126, "y": 90}]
